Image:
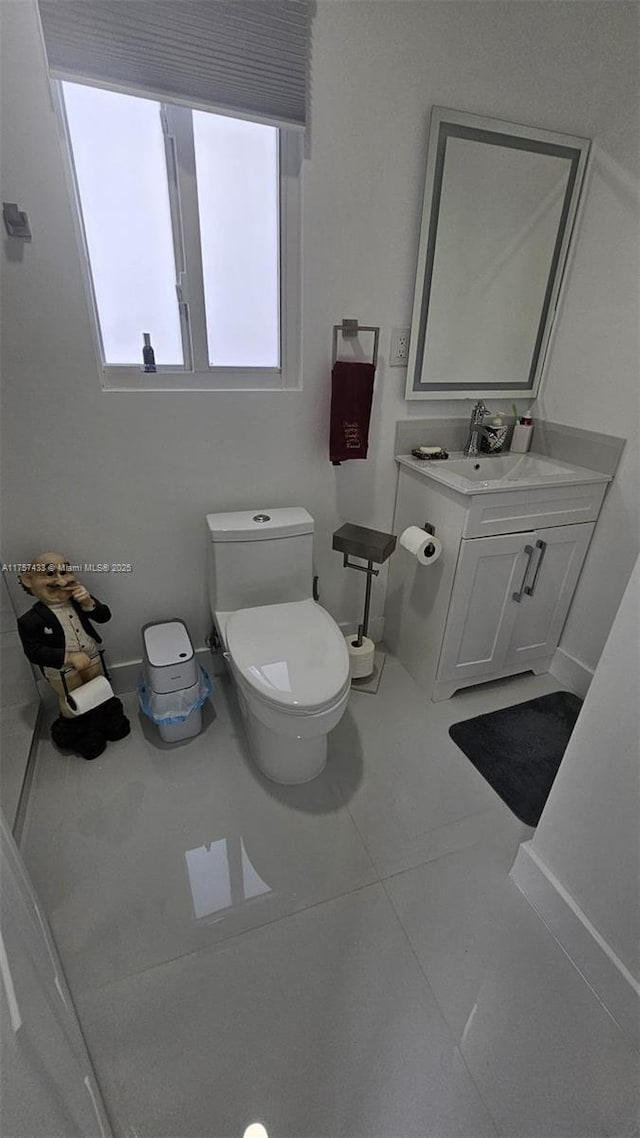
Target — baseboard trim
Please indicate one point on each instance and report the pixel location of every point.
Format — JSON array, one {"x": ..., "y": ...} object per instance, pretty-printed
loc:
[
  {"x": 25, "y": 790},
  {"x": 604, "y": 972},
  {"x": 571, "y": 672},
  {"x": 124, "y": 677}
]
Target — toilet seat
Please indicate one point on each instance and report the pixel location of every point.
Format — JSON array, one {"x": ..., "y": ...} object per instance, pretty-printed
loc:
[{"x": 291, "y": 656}]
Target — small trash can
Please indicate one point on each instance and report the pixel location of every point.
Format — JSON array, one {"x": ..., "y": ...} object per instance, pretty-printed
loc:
[{"x": 174, "y": 687}]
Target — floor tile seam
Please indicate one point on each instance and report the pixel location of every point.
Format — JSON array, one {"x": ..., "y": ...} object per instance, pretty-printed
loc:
[
  {"x": 445, "y": 853},
  {"x": 204, "y": 950},
  {"x": 630, "y": 1042},
  {"x": 506, "y": 1132},
  {"x": 500, "y": 1133},
  {"x": 368, "y": 851}
]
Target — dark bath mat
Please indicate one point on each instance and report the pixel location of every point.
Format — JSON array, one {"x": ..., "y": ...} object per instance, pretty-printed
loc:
[{"x": 519, "y": 749}]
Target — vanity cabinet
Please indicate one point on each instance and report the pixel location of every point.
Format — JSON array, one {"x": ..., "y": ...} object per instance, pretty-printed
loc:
[
  {"x": 509, "y": 601},
  {"x": 492, "y": 605}
]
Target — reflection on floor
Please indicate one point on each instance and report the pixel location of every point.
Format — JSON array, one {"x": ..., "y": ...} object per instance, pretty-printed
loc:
[
  {"x": 221, "y": 875},
  {"x": 347, "y": 958}
]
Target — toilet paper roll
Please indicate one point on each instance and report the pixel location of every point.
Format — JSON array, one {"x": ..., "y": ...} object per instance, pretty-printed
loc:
[
  {"x": 89, "y": 695},
  {"x": 361, "y": 659},
  {"x": 425, "y": 546}
]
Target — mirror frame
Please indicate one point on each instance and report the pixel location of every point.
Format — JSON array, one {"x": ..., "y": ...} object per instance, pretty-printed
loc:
[{"x": 447, "y": 123}]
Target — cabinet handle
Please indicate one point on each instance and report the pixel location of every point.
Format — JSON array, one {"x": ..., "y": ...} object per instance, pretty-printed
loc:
[
  {"x": 542, "y": 547},
  {"x": 529, "y": 551}
]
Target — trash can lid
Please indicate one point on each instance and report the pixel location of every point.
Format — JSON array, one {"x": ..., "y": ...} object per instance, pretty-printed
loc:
[{"x": 167, "y": 644}]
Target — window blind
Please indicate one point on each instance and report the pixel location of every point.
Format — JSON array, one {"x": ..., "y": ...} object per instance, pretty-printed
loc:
[{"x": 246, "y": 57}]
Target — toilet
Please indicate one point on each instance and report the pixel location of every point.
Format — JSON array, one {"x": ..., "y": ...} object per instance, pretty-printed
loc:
[{"x": 286, "y": 654}]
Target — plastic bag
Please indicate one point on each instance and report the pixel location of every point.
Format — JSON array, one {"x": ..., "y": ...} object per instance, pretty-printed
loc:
[{"x": 173, "y": 707}]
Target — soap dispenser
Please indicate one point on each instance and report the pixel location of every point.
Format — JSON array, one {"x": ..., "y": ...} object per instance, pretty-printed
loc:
[{"x": 522, "y": 432}]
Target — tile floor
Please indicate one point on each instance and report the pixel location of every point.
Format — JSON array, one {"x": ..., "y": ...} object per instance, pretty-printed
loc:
[{"x": 346, "y": 959}]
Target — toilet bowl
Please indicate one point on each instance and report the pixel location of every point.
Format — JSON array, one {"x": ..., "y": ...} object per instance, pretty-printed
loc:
[{"x": 290, "y": 666}]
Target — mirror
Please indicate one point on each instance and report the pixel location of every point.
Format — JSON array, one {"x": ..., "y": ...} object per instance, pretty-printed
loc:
[{"x": 499, "y": 212}]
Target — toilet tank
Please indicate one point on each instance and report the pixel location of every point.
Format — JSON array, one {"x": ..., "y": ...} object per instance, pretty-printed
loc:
[{"x": 259, "y": 557}]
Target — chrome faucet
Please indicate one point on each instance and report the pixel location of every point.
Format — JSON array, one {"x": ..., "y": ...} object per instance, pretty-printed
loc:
[{"x": 476, "y": 429}]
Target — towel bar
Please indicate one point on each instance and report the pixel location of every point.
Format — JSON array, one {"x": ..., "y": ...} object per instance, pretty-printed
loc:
[{"x": 350, "y": 329}]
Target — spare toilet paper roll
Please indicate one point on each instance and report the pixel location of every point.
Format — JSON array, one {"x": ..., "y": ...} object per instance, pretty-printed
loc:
[
  {"x": 425, "y": 546},
  {"x": 361, "y": 659},
  {"x": 89, "y": 695}
]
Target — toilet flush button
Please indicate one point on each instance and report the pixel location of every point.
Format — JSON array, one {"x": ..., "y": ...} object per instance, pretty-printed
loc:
[{"x": 261, "y": 518}]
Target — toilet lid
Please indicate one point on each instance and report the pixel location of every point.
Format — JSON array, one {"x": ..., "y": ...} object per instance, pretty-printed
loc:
[{"x": 292, "y": 654}]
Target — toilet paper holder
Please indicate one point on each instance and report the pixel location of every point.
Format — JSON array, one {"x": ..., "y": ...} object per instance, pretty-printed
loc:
[
  {"x": 429, "y": 528},
  {"x": 67, "y": 695},
  {"x": 369, "y": 545}
]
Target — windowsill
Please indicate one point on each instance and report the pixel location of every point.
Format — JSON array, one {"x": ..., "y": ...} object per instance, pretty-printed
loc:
[{"x": 217, "y": 379}]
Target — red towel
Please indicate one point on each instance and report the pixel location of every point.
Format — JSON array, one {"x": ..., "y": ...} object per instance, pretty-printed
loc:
[{"x": 351, "y": 396}]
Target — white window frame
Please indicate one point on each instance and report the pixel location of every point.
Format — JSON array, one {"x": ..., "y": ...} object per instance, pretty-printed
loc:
[{"x": 197, "y": 374}]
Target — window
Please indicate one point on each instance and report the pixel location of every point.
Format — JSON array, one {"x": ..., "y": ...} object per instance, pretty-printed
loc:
[{"x": 189, "y": 225}]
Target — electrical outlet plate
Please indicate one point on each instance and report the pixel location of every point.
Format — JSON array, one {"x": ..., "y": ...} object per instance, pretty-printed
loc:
[{"x": 399, "y": 350}]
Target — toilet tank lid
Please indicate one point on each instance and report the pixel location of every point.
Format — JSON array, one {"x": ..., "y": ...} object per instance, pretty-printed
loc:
[{"x": 256, "y": 525}]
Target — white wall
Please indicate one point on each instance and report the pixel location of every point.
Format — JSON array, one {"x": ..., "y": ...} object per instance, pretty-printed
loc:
[
  {"x": 129, "y": 476},
  {"x": 588, "y": 833},
  {"x": 592, "y": 380},
  {"x": 19, "y": 703},
  {"x": 581, "y": 870}
]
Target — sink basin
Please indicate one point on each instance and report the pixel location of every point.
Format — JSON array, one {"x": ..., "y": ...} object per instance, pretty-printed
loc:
[
  {"x": 512, "y": 467},
  {"x": 486, "y": 473}
]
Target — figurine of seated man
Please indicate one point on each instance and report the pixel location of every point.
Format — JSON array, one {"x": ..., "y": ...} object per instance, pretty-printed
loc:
[{"x": 59, "y": 637}]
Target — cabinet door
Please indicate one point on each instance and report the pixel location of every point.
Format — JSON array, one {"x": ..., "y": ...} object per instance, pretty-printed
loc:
[
  {"x": 559, "y": 553},
  {"x": 482, "y": 611}
]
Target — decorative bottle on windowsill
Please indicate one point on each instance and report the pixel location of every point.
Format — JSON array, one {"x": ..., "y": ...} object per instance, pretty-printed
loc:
[{"x": 148, "y": 354}]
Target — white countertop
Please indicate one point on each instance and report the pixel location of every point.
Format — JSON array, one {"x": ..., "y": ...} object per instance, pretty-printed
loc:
[{"x": 488, "y": 474}]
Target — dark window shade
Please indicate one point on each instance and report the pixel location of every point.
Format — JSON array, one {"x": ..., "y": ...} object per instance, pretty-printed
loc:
[{"x": 248, "y": 57}]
